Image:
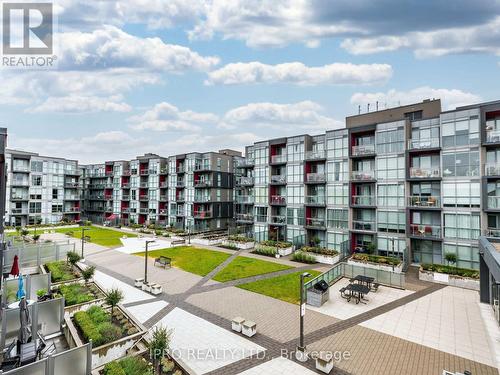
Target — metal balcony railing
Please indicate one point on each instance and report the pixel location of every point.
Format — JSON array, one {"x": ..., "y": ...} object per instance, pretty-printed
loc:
[
  {"x": 163, "y": 198},
  {"x": 278, "y": 179},
  {"x": 315, "y": 177},
  {"x": 20, "y": 183},
  {"x": 425, "y": 231},
  {"x": 363, "y": 225},
  {"x": 244, "y": 199},
  {"x": 425, "y": 172},
  {"x": 19, "y": 198},
  {"x": 125, "y": 197},
  {"x": 202, "y": 214},
  {"x": 278, "y": 199},
  {"x": 422, "y": 144},
  {"x": 363, "y": 175},
  {"x": 245, "y": 181},
  {"x": 278, "y": 159},
  {"x": 143, "y": 198},
  {"x": 363, "y": 150},
  {"x": 424, "y": 201},
  {"x": 315, "y": 199},
  {"x": 244, "y": 217},
  {"x": 315, "y": 222},
  {"x": 277, "y": 219},
  {"x": 248, "y": 162},
  {"x": 143, "y": 210},
  {"x": 494, "y": 202},
  {"x": 202, "y": 167},
  {"x": 492, "y": 232},
  {"x": 19, "y": 211},
  {"x": 315, "y": 155},
  {"x": 203, "y": 183},
  {"x": 363, "y": 200}
]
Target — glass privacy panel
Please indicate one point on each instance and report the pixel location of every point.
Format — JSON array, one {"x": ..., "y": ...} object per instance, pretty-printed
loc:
[
  {"x": 12, "y": 324},
  {"x": 11, "y": 287},
  {"x": 72, "y": 362},
  {"x": 37, "y": 282},
  {"x": 37, "y": 368},
  {"x": 50, "y": 316}
]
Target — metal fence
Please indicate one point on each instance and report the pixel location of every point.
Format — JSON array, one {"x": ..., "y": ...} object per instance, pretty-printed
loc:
[
  {"x": 34, "y": 255},
  {"x": 388, "y": 278}
]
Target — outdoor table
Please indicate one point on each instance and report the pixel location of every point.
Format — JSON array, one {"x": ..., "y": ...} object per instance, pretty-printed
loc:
[
  {"x": 365, "y": 280},
  {"x": 28, "y": 353},
  {"x": 357, "y": 291}
]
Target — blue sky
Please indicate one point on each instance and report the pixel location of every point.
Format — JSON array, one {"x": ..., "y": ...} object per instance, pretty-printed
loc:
[{"x": 173, "y": 76}]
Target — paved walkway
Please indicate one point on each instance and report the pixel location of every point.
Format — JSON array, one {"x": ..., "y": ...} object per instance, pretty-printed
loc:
[{"x": 212, "y": 307}]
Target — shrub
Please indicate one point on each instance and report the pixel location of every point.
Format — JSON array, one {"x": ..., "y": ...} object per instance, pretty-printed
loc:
[
  {"x": 113, "y": 368},
  {"x": 159, "y": 345},
  {"x": 238, "y": 238},
  {"x": 451, "y": 258},
  {"x": 69, "y": 233},
  {"x": 376, "y": 259},
  {"x": 279, "y": 244},
  {"x": 319, "y": 250},
  {"x": 113, "y": 298},
  {"x": 60, "y": 271},
  {"x": 36, "y": 237},
  {"x": 266, "y": 251},
  {"x": 441, "y": 268},
  {"x": 229, "y": 246},
  {"x": 95, "y": 324},
  {"x": 88, "y": 273},
  {"x": 75, "y": 294},
  {"x": 98, "y": 314},
  {"x": 110, "y": 332},
  {"x": 299, "y": 256},
  {"x": 135, "y": 366},
  {"x": 41, "y": 292},
  {"x": 89, "y": 329},
  {"x": 73, "y": 258}
]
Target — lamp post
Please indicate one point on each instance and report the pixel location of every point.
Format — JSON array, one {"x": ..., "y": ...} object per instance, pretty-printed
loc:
[
  {"x": 83, "y": 242},
  {"x": 146, "y": 262},
  {"x": 301, "y": 349}
]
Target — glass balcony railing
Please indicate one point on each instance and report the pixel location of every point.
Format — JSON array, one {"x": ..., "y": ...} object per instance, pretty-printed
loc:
[
  {"x": 278, "y": 199},
  {"x": 425, "y": 231},
  {"x": 363, "y": 200},
  {"x": 203, "y": 183},
  {"x": 315, "y": 199},
  {"x": 202, "y": 214},
  {"x": 180, "y": 183},
  {"x": 20, "y": 183},
  {"x": 202, "y": 167},
  {"x": 278, "y": 159},
  {"x": 492, "y": 232},
  {"x": 493, "y": 136},
  {"x": 19, "y": 198},
  {"x": 363, "y": 175},
  {"x": 278, "y": 179},
  {"x": 315, "y": 177},
  {"x": 143, "y": 197},
  {"x": 422, "y": 144},
  {"x": 19, "y": 211},
  {"x": 143, "y": 210},
  {"x": 492, "y": 169},
  {"x": 164, "y": 184},
  {"x": 315, "y": 222},
  {"x": 315, "y": 155},
  {"x": 494, "y": 202},
  {"x": 244, "y": 181},
  {"x": 248, "y": 162},
  {"x": 363, "y": 150},
  {"x": 261, "y": 218},
  {"x": 125, "y": 197},
  {"x": 244, "y": 199},
  {"x": 278, "y": 219},
  {"x": 178, "y": 198},
  {"x": 244, "y": 217},
  {"x": 425, "y": 172},
  {"x": 363, "y": 225},
  {"x": 424, "y": 201},
  {"x": 202, "y": 198}
]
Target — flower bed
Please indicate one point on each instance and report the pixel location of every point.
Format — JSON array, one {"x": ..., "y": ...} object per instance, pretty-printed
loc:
[
  {"x": 61, "y": 271},
  {"x": 240, "y": 242},
  {"x": 321, "y": 254},
  {"x": 376, "y": 262},
  {"x": 442, "y": 274},
  {"x": 280, "y": 247},
  {"x": 112, "y": 335}
]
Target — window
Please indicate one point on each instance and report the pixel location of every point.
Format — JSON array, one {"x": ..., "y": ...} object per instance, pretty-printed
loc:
[
  {"x": 464, "y": 226},
  {"x": 467, "y": 255},
  {"x": 55, "y": 193},
  {"x": 337, "y": 148},
  {"x": 390, "y": 141},
  {"x": 461, "y": 132},
  {"x": 295, "y": 195},
  {"x": 35, "y": 207},
  {"x": 261, "y": 175},
  {"x": 338, "y": 218},
  {"x": 36, "y": 180},
  {"x": 338, "y": 171},
  {"x": 295, "y": 152},
  {"x": 261, "y": 214},
  {"x": 261, "y": 156},
  {"x": 424, "y": 251},
  {"x": 390, "y": 246},
  {"x": 261, "y": 195},
  {"x": 461, "y": 163},
  {"x": 37, "y": 166},
  {"x": 295, "y": 216},
  {"x": 296, "y": 235},
  {"x": 462, "y": 194},
  {"x": 337, "y": 195},
  {"x": 57, "y": 208},
  {"x": 391, "y": 221},
  {"x": 391, "y": 195},
  {"x": 337, "y": 241},
  {"x": 294, "y": 173},
  {"x": 416, "y": 115},
  {"x": 391, "y": 168}
]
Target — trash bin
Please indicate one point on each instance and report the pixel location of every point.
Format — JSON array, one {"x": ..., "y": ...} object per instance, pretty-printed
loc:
[{"x": 321, "y": 286}]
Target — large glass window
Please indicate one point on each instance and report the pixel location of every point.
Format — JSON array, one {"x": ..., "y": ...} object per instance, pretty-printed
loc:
[
  {"x": 391, "y": 168},
  {"x": 390, "y": 141},
  {"x": 294, "y": 173},
  {"x": 261, "y": 175},
  {"x": 295, "y": 216},
  {"x": 467, "y": 255},
  {"x": 461, "y": 163},
  {"x": 261, "y": 195},
  {"x": 337, "y": 195},
  {"x": 295, "y": 194},
  {"x": 338, "y": 218},
  {"x": 295, "y": 152},
  {"x": 390, "y": 245},
  {"x": 464, "y": 226},
  {"x": 261, "y": 156},
  {"x": 391, "y": 221},
  {"x": 338, "y": 171},
  {"x": 336, "y": 240},
  {"x": 391, "y": 195},
  {"x": 460, "y": 132},
  {"x": 426, "y": 252},
  {"x": 461, "y": 194},
  {"x": 337, "y": 147}
]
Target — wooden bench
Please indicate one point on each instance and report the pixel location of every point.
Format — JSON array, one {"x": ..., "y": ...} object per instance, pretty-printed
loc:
[
  {"x": 163, "y": 261},
  {"x": 177, "y": 242}
]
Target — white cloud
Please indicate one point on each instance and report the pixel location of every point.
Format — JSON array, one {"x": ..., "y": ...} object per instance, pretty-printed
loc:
[
  {"x": 450, "y": 98},
  {"x": 166, "y": 117},
  {"x": 300, "y": 74},
  {"x": 81, "y": 104}
]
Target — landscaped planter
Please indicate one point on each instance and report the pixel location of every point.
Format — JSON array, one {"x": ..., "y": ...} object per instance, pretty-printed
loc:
[
  {"x": 239, "y": 245},
  {"x": 206, "y": 241},
  {"x": 111, "y": 351},
  {"x": 452, "y": 280},
  {"x": 282, "y": 251},
  {"x": 377, "y": 266},
  {"x": 71, "y": 310},
  {"x": 77, "y": 276},
  {"x": 325, "y": 259}
]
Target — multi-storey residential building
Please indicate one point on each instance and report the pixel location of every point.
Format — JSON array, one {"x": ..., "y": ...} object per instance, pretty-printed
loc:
[{"x": 41, "y": 189}]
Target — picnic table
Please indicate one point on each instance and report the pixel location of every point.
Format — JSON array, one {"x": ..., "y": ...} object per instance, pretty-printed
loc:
[
  {"x": 357, "y": 291},
  {"x": 365, "y": 280}
]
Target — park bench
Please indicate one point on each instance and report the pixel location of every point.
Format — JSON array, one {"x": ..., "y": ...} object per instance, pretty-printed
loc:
[
  {"x": 177, "y": 242},
  {"x": 163, "y": 261}
]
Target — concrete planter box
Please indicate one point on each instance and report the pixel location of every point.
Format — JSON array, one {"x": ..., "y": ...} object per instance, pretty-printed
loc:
[
  {"x": 316, "y": 298},
  {"x": 286, "y": 251},
  {"x": 324, "y": 364},
  {"x": 452, "y": 280},
  {"x": 324, "y": 259},
  {"x": 376, "y": 266},
  {"x": 206, "y": 242},
  {"x": 44, "y": 271},
  {"x": 239, "y": 245},
  {"x": 109, "y": 352}
]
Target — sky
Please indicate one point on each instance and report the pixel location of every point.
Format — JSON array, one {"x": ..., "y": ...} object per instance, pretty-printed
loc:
[{"x": 177, "y": 76}]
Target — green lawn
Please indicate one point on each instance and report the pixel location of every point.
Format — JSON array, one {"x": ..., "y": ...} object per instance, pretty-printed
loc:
[
  {"x": 100, "y": 236},
  {"x": 242, "y": 267},
  {"x": 191, "y": 259},
  {"x": 285, "y": 288}
]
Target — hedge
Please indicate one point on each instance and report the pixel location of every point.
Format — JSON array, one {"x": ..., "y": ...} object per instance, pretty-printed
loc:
[
  {"x": 377, "y": 259},
  {"x": 75, "y": 294},
  {"x": 441, "y": 268},
  {"x": 60, "y": 271},
  {"x": 279, "y": 244},
  {"x": 95, "y": 324},
  {"x": 299, "y": 256},
  {"x": 319, "y": 250}
]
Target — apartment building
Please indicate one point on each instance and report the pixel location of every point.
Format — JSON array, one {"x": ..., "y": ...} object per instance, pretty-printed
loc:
[
  {"x": 41, "y": 189},
  {"x": 413, "y": 181}
]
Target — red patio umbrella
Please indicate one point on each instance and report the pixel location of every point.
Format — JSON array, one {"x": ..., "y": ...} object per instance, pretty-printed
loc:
[{"x": 15, "y": 266}]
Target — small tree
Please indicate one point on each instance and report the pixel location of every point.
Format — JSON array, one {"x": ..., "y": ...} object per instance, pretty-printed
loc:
[
  {"x": 370, "y": 248},
  {"x": 73, "y": 258},
  {"x": 36, "y": 237},
  {"x": 24, "y": 233},
  {"x": 113, "y": 298},
  {"x": 316, "y": 241},
  {"x": 88, "y": 273},
  {"x": 158, "y": 346},
  {"x": 18, "y": 229},
  {"x": 450, "y": 258}
]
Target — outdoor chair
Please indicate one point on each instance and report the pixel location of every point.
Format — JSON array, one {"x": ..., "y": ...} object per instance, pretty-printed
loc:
[
  {"x": 342, "y": 293},
  {"x": 374, "y": 287}
]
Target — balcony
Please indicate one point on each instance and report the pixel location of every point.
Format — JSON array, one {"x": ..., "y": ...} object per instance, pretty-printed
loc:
[
  {"x": 315, "y": 178},
  {"x": 423, "y": 144},
  {"x": 247, "y": 163},
  {"x": 202, "y": 214},
  {"x": 19, "y": 198},
  {"x": 278, "y": 159},
  {"x": 164, "y": 184},
  {"x": 126, "y": 172},
  {"x": 315, "y": 223},
  {"x": 164, "y": 171},
  {"x": 163, "y": 198},
  {"x": 315, "y": 155},
  {"x": 71, "y": 185},
  {"x": 108, "y": 197},
  {"x": 425, "y": 172},
  {"x": 20, "y": 183},
  {"x": 202, "y": 198},
  {"x": 144, "y": 211},
  {"x": 20, "y": 168},
  {"x": 363, "y": 175},
  {"x": 126, "y": 185},
  {"x": 71, "y": 198},
  {"x": 278, "y": 179},
  {"x": 202, "y": 183},
  {"x": 363, "y": 200},
  {"x": 202, "y": 167},
  {"x": 425, "y": 231},
  {"x": 180, "y": 169},
  {"x": 363, "y": 225},
  {"x": 315, "y": 200},
  {"x": 126, "y": 210},
  {"x": 180, "y": 213},
  {"x": 19, "y": 211},
  {"x": 72, "y": 210},
  {"x": 424, "y": 201},
  {"x": 72, "y": 172},
  {"x": 108, "y": 209},
  {"x": 278, "y": 219},
  {"x": 492, "y": 169},
  {"x": 494, "y": 202},
  {"x": 278, "y": 200},
  {"x": 261, "y": 218},
  {"x": 245, "y": 199},
  {"x": 125, "y": 197},
  {"x": 180, "y": 184},
  {"x": 492, "y": 232},
  {"x": 108, "y": 173},
  {"x": 143, "y": 198},
  {"x": 493, "y": 136},
  {"x": 248, "y": 218},
  {"x": 245, "y": 181},
  {"x": 144, "y": 172},
  {"x": 164, "y": 212},
  {"x": 364, "y": 150}
]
